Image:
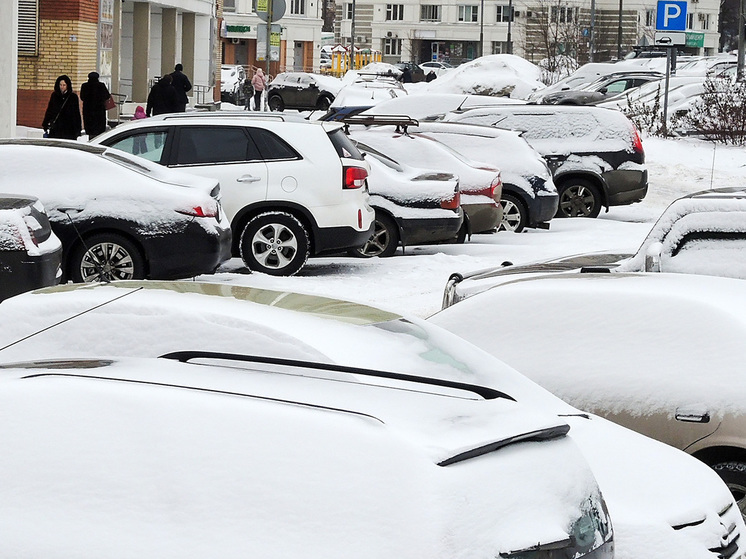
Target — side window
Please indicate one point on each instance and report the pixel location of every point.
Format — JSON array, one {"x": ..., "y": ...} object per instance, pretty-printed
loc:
[
  {"x": 148, "y": 145},
  {"x": 221, "y": 144},
  {"x": 271, "y": 146},
  {"x": 617, "y": 86},
  {"x": 715, "y": 253}
]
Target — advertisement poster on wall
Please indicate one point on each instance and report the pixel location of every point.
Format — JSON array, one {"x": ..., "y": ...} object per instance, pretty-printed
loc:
[{"x": 105, "y": 40}]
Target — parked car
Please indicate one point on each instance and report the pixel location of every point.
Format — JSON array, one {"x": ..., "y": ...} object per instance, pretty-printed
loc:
[
  {"x": 701, "y": 233},
  {"x": 601, "y": 89},
  {"x": 232, "y": 77},
  {"x": 595, "y": 155},
  {"x": 290, "y": 188},
  {"x": 30, "y": 253},
  {"x": 439, "y": 68},
  {"x": 434, "y": 106},
  {"x": 360, "y": 92},
  {"x": 479, "y": 183},
  {"x": 659, "y": 499},
  {"x": 529, "y": 197},
  {"x": 278, "y": 454},
  {"x": 118, "y": 216},
  {"x": 413, "y": 206},
  {"x": 299, "y": 90},
  {"x": 658, "y": 353},
  {"x": 417, "y": 74},
  {"x": 707, "y": 66}
]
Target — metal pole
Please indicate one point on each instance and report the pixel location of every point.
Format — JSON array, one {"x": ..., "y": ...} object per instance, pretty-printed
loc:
[
  {"x": 481, "y": 28},
  {"x": 619, "y": 33},
  {"x": 741, "y": 35},
  {"x": 352, "y": 38},
  {"x": 593, "y": 30},
  {"x": 510, "y": 23},
  {"x": 665, "y": 96},
  {"x": 269, "y": 34}
]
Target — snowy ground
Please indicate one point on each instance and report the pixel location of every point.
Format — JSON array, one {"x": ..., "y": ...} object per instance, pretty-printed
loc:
[{"x": 413, "y": 282}]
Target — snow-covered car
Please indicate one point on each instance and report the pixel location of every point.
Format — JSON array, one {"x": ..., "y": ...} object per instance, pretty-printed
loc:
[
  {"x": 479, "y": 183},
  {"x": 529, "y": 197},
  {"x": 303, "y": 91},
  {"x": 661, "y": 354},
  {"x": 119, "y": 216},
  {"x": 362, "y": 92},
  {"x": 595, "y": 155},
  {"x": 30, "y": 252},
  {"x": 413, "y": 206},
  {"x": 232, "y": 77},
  {"x": 707, "y": 65},
  {"x": 439, "y": 68},
  {"x": 601, "y": 89},
  {"x": 260, "y": 431},
  {"x": 432, "y": 105},
  {"x": 290, "y": 188},
  {"x": 701, "y": 233}
]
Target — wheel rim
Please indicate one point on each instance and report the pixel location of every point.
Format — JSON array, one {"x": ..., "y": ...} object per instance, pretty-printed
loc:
[
  {"x": 577, "y": 201},
  {"x": 378, "y": 241},
  {"x": 511, "y": 216},
  {"x": 274, "y": 246},
  {"x": 107, "y": 262},
  {"x": 739, "y": 494}
]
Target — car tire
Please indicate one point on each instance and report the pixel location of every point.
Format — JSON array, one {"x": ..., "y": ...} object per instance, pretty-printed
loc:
[
  {"x": 323, "y": 103},
  {"x": 734, "y": 476},
  {"x": 383, "y": 242},
  {"x": 578, "y": 198},
  {"x": 275, "y": 243},
  {"x": 515, "y": 215},
  {"x": 106, "y": 257},
  {"x": 276, "y": 103}
]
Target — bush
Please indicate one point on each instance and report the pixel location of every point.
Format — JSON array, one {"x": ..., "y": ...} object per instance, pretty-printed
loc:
[
  {"x": 720, "y": 114},
  {"x": 648, "y": 117}
]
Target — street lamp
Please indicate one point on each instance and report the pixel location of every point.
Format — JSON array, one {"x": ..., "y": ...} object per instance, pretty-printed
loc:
[{"x": 481, "y": 28}]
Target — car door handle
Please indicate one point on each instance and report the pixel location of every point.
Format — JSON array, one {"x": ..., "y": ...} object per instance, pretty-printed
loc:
[
  {"x": 248, "y": 178},
  {"x": 692, "y": 416}
]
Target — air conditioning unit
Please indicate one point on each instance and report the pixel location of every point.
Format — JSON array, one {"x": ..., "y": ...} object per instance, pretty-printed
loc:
[
  {"x": 235, "y": 40},
  {"x": 360, "y": 39}
]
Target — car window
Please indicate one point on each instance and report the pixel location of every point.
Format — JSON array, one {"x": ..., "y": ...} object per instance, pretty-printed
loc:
[
  {"x": 221, "y": 144},
  {"x": 344, "y": 146},
  {"x": 147, "y": 144},
  {"x": 617, "y": 86},
  {"x": 714, "y": 253},
  {"x": 271, "y": 146},
  {"x": 546, "y": 126}
]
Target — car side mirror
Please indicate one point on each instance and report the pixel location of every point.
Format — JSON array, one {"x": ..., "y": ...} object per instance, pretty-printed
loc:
[
  {"x": 313, "y": 85},
  {"x": 653, "y": 257},
  {"x": 603, "y": 91}
]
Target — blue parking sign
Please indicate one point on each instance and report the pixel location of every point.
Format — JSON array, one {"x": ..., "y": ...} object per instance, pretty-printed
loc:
[{"x": 670, "y": 16}]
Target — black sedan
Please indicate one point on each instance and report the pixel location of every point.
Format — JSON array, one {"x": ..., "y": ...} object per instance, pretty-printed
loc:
[
  {"x": 299, "y": 90},
  {"x": 30, "y": 253},
  {"x": 117, "y": 215}
]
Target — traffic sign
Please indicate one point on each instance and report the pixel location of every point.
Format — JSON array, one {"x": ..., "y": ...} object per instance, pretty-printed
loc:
[
  {"x": 278, "y": 9},
  {"x": 670, "y": 16},
  {"x": 670, "y": 39}
]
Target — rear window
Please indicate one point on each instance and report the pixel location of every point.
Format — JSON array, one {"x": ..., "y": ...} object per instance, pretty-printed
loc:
[
  {"x": 344, "y": 146},
  {"x": 223, "y": 144},
  {"x": 271, "y": 146}
]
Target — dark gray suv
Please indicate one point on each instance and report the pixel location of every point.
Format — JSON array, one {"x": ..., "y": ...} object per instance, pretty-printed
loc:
[{"x": 595, "y": 155}]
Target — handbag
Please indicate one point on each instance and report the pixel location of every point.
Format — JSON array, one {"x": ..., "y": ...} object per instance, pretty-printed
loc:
[{"x": 110, "y": 103}]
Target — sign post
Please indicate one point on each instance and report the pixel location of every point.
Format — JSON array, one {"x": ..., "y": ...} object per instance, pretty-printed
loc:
[{"x": 670, "y": 32}]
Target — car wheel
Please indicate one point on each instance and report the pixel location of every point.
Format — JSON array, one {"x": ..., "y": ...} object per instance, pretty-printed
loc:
[
  {"x": 276, "y": 103},
  {"x": 578, "y": 198},
  {"x": 734, "y": 476},
  {"x": 106, "y": 257},
  {"x": 383, "y": 242},
  {"x": 515, "y": 215},
  {"x": 275, "y": 243},
  {"x": 323, "y": 103}
]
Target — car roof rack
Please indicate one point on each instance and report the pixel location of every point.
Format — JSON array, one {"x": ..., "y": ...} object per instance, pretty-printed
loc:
[
  {"x": 402, "y": 122},
  {"x": 231, "y": 114},
  {"x": 483, "y": 391}
]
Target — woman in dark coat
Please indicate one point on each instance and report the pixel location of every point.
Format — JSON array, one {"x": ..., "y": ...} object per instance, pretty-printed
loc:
[
  {"x": 62, "y": 119},
  {"x": 162, "y": 97},
  {"x": 94, "y": 95}
]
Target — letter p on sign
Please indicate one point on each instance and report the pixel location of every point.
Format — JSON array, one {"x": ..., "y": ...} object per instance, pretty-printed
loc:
[{"x": 670, "y": 16}]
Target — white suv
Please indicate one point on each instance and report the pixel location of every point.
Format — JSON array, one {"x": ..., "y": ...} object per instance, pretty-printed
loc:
[{"x": 290, "y": 188}]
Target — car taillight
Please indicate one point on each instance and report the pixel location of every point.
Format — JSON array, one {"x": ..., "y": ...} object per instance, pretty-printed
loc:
[
  {"x": 636, "y": 140},
  {"x": 452, "y": 203},
  {"x": 201, "y": 211},
  {"x": 496, "y": 183},
  {"x": 354, "y": 177}
]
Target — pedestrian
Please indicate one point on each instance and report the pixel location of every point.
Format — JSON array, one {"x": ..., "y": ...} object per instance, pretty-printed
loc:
[
  {"x": 259, "y": 83},
  {"x": 94, "y": 95},
  {"x": 139, "y": 143},
  {"x": 430, "y": 76},
  {"x": 162, "y": 97},
  {"x": 62, "y": 118},
  {"x": 248, "y": 93},
  {"x": 406, "y": 76},
  {"x": 182, "y": 85}
]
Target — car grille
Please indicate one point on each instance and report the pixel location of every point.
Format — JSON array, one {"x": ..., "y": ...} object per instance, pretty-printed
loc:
[{"x": 729, "y": 545}]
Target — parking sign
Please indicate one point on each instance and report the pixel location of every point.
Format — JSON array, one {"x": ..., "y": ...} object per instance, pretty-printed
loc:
[{"x": 670, "y": 16}]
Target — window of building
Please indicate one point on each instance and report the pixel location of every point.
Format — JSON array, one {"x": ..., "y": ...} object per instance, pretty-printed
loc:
[
  {"x": 229, "y": 5},
  {"x": 705, "y": 18},
  {"x": 392, "y": 46},
  {"x": 297, "y": 7},
  {"x": 690, "y": 20},
  {"x": 28, "y": 27},
  {"x": 500, "y": 47},
  {"x": 468, "y": 13},
  {"x": 503, "y": 14},
  {"x": 394, "y": 12},
  {"x": 348, "y": 11},
  {"x": 650, "y": 18},
  {"x": 429, "y": 12},
  {"x": 564, "y": 14}
]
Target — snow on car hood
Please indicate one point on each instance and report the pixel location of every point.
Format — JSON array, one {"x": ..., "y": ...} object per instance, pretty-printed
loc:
[{"x": 420, "y": 105}]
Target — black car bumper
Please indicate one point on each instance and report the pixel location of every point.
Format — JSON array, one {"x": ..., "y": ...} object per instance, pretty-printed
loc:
[
  {"x": 189, "y": 252},
  {"x": 542, "y": 209},
  {"x": 332, "y": 239},
  {"x": 425, "y": 231},
  {"x": 20, "y": 272},
  {"x": 626, "y": 186}
]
